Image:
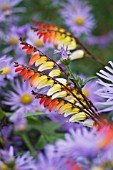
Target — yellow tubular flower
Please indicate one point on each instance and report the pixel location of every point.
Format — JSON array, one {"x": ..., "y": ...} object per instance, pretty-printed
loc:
[
  {"x": 76, "y": 55},
  {"x": 42, "y": 83},
  {"x": 78, "y": 117},
  {"x": 65, "y": 108},
  {"x": 67, "y": 41},
  {"x": 55, "y": 73},
  {"x": 40, "y": 61},
  {"x": 59, "y": 95},
  {"x": 70, "y": 99},
  {"x": 46, "y": 66},
  {"x": 59, "y": 105},
  {"x": 54, "y": 89},
  {"x": 35, "y": 83},
  {"x": 45, "y": 83},
  {"x": 62, "y": 80},
  {"x": 73, "y": 111},
  {"x": 88, "y": 123}
]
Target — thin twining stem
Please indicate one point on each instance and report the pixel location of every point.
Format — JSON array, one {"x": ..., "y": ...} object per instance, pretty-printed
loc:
[
  {"x": 87, "y": 51},
  {"x": 42, "y": 73},
  {"x": 89, "y": 103}
]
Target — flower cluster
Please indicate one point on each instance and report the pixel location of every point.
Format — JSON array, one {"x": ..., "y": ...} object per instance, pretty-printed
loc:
[
  {"x": 77, "y": 16},
  {"x": 55, "y": 110},
  {"x": 64, "y": 95}
]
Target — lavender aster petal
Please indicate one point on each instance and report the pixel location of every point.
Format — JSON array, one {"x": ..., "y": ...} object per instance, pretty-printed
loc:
[{"x": 106, "y": 90}]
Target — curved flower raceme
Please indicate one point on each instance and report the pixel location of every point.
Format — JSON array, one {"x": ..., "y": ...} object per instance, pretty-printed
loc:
[
  {"x": 55, "y": 35},
  {"x": 59, "y": 37},
  {"x": 64, "y": 96},
  {"x": 106, "y": 90},
  {"x": 89, "y": 91}
]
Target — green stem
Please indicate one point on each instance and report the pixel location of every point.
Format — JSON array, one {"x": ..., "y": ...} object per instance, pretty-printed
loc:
[
  {"x": 28, "y": 144},
  {"x": 70, "y": 72}
]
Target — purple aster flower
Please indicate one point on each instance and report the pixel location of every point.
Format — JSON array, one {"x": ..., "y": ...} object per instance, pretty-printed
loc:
[
  {"x": 89, "y": 91},
  {"x": 50, "y": 160},
  {"x": 74, "y": 6},
  {"x": 22, "y": 30},
  {"x": 19, "y": 120},
  {"x": 7, "y": 8},
  {"x": 84, "y": 146},
  {"x": 24, "y": 162},
  {"x": 102, "y": 41},
  {"x": 106, "y": 90},
  {"x": 80, "y": 20},
  {"x": 21, "y": 98},
  {"x": 7, "y": 68},
  {"x": 12, "y": 38},
  {"x": 9, "y": 139},
  {"x": 106, "y": 157}
]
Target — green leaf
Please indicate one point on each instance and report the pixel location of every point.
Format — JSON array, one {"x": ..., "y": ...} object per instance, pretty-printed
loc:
[
  {"x": 48, "y": 139},
  {"x": 1, "y": 72},
  {"x": 29, "y": 114},
  {"x": 89, "y": 79},
  {"x": 33, "y": 122},
  {"x": 49, "y": 128},
  {"x": 49, "y": 134},
  {"x": 41, "y": 143},
  {"x": 110, "y": 116},
  {"x": 2, "y": 114}
]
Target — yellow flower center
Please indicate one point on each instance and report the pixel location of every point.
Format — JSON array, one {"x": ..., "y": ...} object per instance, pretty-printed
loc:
[
  {"x": 14, "y": 40},
  {"x": 6, "y": 71},
  {"x": 80, "y": 21},
  {"x": 5, "y": 7},
  {"x": 26, "y": 99},
  {"x": 39, "y": 43},
  {"x": 85, "y": 92}
]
